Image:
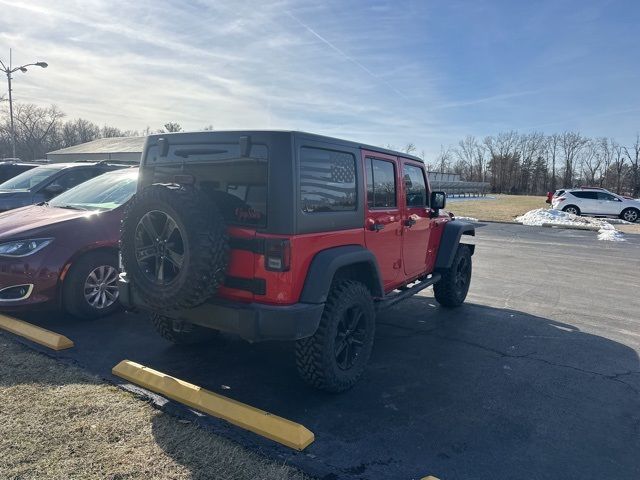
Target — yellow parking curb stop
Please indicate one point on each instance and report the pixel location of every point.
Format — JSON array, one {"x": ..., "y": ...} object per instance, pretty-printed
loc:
[
  {"x": 245, "y": 416},
  {"x": 34, "y": 333}
]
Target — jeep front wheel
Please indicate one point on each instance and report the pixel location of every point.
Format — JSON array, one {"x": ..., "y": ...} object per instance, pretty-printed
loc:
[
  {"x": 334, "y": 358},
  {"x": 452, "y": 288}
]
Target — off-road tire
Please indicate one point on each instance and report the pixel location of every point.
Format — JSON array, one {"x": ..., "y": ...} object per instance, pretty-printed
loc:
[
  {"x": 448, "y": 291},
  {"x": 206, "y": 246},
  {"x": 187, "y": 334},
  {"x": 315, "y": 356},
  {"x": 73, "y": 299},
  {"x": 630, "y": 211},
  {"x": 572, "y": 207}
]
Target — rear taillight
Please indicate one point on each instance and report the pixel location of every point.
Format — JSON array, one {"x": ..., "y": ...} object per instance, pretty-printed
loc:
[
  {"x": 277, "y": 255},
  {"x": 561, "y": 199}
]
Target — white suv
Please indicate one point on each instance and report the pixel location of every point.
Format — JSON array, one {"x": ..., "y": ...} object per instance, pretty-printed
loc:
[{"x": 596, "y": 202}]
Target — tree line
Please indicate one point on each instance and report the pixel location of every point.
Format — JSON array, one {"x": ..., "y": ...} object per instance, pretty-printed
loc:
[
  {"x": 44, "y": 129},
  {"x": 534, "y": 163},
  {"x": 511, "y": 162}
]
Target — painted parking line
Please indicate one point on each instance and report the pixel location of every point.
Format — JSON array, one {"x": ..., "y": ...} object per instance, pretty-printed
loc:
[
  {"x": 263, "y": 423},
  {"x": 36, "y": 334}
]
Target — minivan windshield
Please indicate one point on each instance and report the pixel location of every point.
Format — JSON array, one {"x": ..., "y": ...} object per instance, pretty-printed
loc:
[
  {"x": 105, "y": 192},
  {"x": 30, "y": 178}
]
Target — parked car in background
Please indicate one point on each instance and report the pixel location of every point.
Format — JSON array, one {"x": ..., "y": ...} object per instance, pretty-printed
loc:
[
  {"x": 11, "y": 168},
  {"x": 64, "y": 253},
  {"x": 597, "y": 202},
  {"x": 43, "y": 183}
]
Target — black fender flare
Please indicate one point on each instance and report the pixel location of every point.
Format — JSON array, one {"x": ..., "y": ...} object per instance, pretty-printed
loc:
[
  {"x": 450, "y": 240},
  {"x": 326, "y": 263}
]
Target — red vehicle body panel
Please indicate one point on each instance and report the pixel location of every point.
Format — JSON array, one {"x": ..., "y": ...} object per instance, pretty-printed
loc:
[{"x": 404, "y": 253}]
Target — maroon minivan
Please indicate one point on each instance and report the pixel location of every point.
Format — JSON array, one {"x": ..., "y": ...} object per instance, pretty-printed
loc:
[{"x": 64, "y": 253}]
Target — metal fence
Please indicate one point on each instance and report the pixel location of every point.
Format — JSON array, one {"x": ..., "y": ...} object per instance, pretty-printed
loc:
[{"x": 454, "y": 186}]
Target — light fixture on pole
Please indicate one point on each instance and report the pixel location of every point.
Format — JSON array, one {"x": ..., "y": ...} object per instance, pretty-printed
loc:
[{"x": 8, "y": 71}]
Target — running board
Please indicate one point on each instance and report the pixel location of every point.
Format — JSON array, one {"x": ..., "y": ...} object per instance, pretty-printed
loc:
[{"x": 392, "y": 299}]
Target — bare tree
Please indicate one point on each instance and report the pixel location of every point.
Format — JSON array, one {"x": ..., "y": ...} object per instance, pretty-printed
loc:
[
  {"x": 443, "y": 160},
  {"x": 409, "y": 148},
  {"x": 592, "y": 161},
  {"x": 465, "y": 152},
  {"x": 572, "y": 144},
  {"x": 504, "y": 161},
  {"x": 552, "y": 152},
  {"x": 172, "y": 127},
  {"x": 530, "y": 146},
  {"x": 633, "y": 155},
  {"x": 35, "y": 128},
  {"x": 618, "y": 164}
]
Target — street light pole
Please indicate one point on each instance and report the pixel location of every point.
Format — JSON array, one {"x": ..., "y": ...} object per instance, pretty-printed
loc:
[
  {"x": 8, "y": 71},
  {"x": 13, "y": 128}
]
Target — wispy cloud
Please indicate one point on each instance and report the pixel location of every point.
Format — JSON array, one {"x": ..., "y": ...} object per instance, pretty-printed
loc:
[
  {"x": 380, "y": 72},
  {"x": 346, "y": 56}
]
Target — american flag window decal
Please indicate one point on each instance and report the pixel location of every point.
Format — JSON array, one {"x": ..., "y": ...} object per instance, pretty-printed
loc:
[{"x": 327, "y": 180}]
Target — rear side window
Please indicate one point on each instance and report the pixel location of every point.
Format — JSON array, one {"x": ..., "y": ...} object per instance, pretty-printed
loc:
[
  {"x": 381, "y": 183},
  {"x": 606, "y": 196},
  {"x": 75, "y": 176},
  {"x": 415, "y": 186},
  {"x": 327, "y": 180},
  {"x": 586, "y": 195}
]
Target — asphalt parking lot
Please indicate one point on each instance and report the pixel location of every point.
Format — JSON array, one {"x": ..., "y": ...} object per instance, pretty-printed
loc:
[{"x": 536, "y": 376}]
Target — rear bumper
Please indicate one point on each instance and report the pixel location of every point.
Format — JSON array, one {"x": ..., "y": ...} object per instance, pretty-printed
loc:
[{"x": 254, "y": 322}]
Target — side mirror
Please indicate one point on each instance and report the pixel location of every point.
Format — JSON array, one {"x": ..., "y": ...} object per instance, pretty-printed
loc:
[{"x": 438, "y": 200}]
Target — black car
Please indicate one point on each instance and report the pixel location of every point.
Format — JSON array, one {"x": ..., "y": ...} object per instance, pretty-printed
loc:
[
  {"x": 42, "y": 183},
  {"x": 11, "y": 168}
]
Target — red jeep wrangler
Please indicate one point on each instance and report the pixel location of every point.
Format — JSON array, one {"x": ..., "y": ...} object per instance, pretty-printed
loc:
[{"x": 286, "y": 236}]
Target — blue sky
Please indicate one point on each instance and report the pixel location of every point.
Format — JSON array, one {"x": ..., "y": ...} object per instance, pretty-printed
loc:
[{"x": 428, "y": 72}]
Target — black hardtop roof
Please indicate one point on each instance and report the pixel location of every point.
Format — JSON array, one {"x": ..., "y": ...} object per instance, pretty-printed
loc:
[{"x": 294, "y": 133}]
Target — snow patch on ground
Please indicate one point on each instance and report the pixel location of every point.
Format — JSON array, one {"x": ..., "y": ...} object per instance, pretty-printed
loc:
[
  {"x": 618, "y": 221},
  {"x": 557, "y": 218},
  {"x": 467, "y": 219},
  {"x": 612, "y": 235}
]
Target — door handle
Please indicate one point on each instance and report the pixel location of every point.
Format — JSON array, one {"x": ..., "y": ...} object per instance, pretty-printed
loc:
[
  {"x": 376, "y": 227},
  {"x": 409, "y": 222}
]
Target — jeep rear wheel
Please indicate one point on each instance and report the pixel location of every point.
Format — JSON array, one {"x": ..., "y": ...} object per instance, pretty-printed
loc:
[
  {"x": 453, "y": 286},
  {"x": 181, "y": 333},
  {"x": 334, "y": 358}
]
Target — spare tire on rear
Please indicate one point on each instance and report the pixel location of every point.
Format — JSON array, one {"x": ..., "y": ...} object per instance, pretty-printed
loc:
[{"x": 174, "y": 246}]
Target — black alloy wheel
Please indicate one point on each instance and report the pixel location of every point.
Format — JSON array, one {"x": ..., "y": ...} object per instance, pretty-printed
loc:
[
  {"x": 159, "y": 246},
  {"x": 350, "y": 337}
]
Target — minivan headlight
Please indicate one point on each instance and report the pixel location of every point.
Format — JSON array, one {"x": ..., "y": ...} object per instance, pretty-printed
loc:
[{"x": 22, "y": 248}]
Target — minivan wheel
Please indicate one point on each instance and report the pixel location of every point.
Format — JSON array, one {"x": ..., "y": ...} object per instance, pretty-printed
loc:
[
  {"x": 630, "y": 214},
  {"x": 181, "y": 333},
  {"x": 334, "y": 358},
  {"x": 90, "y": 289},
  {"x": 572, "y": 209}
]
